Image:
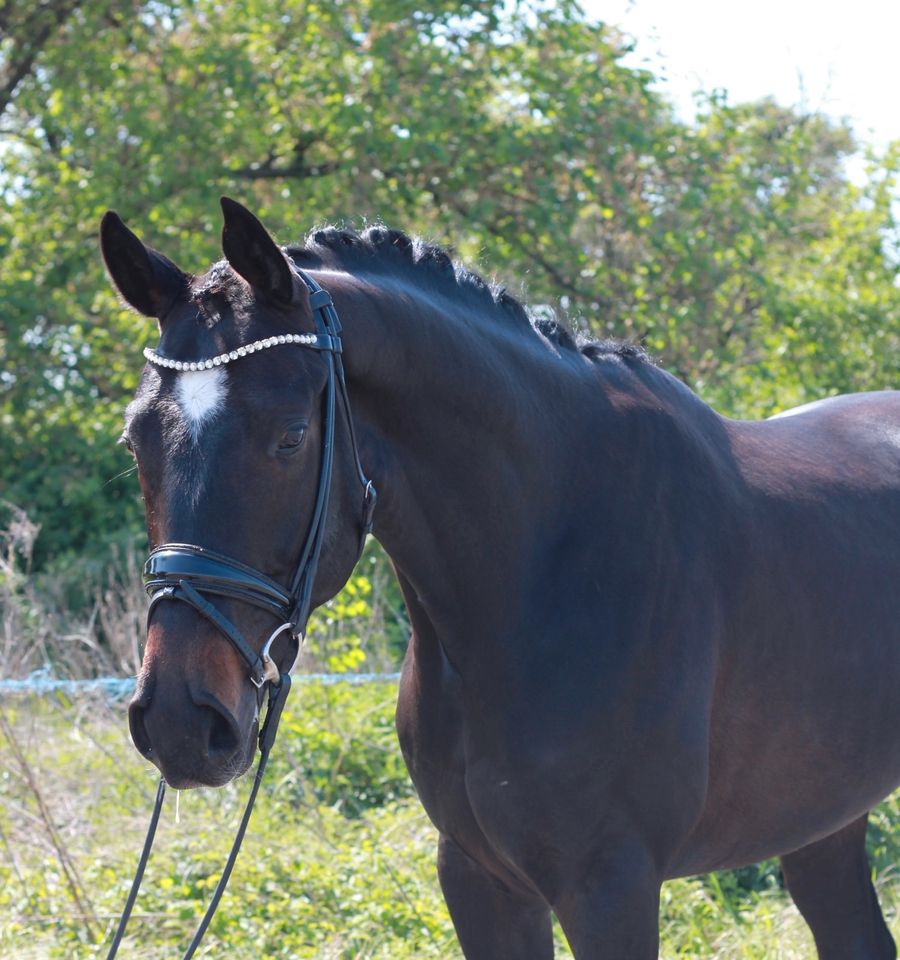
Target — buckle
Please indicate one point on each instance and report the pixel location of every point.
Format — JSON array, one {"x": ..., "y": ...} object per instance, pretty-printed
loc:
[
  {"x": 270, "y": 672},
  {"x": 319, "y": 299}
]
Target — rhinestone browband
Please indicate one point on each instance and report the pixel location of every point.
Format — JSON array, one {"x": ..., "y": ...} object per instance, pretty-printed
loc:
[{"x": 305, "y": 339}]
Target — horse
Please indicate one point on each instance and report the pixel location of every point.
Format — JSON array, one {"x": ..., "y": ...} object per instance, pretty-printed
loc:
[{"x": 648, "y": 641}]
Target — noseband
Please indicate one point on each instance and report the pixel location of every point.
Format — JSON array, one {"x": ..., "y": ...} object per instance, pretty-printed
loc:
[{"x": 191, "y": 574}]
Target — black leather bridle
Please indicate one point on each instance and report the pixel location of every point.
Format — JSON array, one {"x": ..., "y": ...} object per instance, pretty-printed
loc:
[
  {"x": 182, "y": 571},
  {"x": 192, "y": 574}
]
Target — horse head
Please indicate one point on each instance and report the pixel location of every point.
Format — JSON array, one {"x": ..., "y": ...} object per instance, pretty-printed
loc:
[{"x": 252, "y": 496}]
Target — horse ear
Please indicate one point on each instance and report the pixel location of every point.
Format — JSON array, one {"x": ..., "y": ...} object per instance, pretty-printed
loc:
[
  {"x": 147, "y": 280},
  {"x": 253, "y": 253}
]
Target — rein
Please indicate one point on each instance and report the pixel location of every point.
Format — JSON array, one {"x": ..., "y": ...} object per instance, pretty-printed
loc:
[{"x": 189, "y": 573}]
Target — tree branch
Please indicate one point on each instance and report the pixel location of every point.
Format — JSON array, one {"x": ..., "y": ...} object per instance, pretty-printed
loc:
[
  {"x": 292, "y": 171},
  {"x": 31, "y": 40}
]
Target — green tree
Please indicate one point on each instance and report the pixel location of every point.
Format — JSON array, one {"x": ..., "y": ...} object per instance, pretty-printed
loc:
[
  {"x": 755, "y": 228},
  {"x": 735, "y": 247},
  {"x": 308, "y": 111}
]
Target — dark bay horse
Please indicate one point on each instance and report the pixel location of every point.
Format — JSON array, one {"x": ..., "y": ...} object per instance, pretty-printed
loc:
[{"x": 648, "y": 641}]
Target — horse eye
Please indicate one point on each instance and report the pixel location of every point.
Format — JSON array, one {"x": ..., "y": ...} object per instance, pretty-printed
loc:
[{"x": 292, "y": 438}]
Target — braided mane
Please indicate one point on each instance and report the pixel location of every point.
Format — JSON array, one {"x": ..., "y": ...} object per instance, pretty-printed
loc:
[{"x": 382, "y": 249}]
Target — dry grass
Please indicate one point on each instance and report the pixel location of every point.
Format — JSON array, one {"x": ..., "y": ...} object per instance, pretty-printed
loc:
[
  {"x": 39, "y": 632},
  {"x": 103, "y": 634}
]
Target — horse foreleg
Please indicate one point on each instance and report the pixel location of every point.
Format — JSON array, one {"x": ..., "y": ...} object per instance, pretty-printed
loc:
[
  {"x": 830, "y": 881},
  {"x": 612, "y": 913},
  {"x": 491, "y": 921}
]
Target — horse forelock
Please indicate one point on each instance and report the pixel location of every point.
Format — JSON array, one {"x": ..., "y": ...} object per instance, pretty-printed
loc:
[
  {"x": 220, "y": 278},
  {"x": 217, "y": 293}
]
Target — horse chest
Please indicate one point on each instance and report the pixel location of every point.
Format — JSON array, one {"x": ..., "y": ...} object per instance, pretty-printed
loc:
[
  {"x": 431, "y": 726},
  {"x": 493, "y": 807}
]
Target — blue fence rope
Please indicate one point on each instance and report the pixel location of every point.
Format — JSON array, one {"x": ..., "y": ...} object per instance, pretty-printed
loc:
[{"x": 42, "y": 682}]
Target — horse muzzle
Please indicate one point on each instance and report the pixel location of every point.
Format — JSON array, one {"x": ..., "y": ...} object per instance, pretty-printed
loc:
[{"x": 193, "y": 738}]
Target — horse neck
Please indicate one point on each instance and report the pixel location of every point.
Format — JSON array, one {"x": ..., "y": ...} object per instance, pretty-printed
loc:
[
  {"x": 456, "y": 431},
  {"x": 505, "y": 468}
]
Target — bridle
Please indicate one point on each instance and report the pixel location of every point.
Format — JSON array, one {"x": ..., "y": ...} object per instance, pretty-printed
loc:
[
  {"x": 180, "y": 571},
  {"x": 190, "y": 574}
]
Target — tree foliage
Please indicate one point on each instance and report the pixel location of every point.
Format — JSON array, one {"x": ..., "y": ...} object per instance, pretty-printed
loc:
[{"x": 734, "y": 246}]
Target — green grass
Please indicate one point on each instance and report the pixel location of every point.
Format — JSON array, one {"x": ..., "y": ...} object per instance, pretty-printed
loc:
[{"x": 338, "y": 862}]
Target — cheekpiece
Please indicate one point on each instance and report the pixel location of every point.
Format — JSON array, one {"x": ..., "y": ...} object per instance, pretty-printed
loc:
[{"x": 304, "y": 339}]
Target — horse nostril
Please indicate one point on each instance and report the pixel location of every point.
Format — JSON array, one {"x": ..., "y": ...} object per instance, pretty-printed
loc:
[
  {"x": 139, "y": 735},
  {"x": 192, "y": 739},
  {"x": 224, "y": 738}
]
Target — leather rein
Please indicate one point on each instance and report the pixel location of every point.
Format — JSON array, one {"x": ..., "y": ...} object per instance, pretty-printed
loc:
[{"x": 189, "y": 573}]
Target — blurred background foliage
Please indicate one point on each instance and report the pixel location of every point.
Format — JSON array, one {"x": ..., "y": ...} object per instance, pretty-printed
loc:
[{"x": 734, "y": 246}]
